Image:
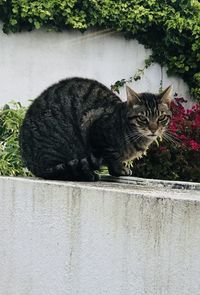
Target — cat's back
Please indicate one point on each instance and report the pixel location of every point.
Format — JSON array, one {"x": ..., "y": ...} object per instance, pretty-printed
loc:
[{"x": 72, "y": 93}]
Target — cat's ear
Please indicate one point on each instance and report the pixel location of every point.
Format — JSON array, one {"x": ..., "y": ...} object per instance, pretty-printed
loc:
[
  {"x": 166, "y": 95},
  {"x": 132, "y": 97}
]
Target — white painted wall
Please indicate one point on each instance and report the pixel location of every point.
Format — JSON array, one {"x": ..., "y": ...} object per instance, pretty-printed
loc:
[
  {"x": 32, "y": 61},
  {"x": 62, "y": 238}
]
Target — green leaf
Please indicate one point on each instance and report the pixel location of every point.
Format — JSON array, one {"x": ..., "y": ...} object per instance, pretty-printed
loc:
[
  {"x": 37, "y": 25},
  {"x": 13, "y": 22}
]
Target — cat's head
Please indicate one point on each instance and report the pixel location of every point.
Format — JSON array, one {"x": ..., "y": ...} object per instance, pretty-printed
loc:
[{"x": 149, "y": 113}]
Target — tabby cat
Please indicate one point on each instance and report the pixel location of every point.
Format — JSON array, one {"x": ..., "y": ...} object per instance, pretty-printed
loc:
[{"x": 78, "y": 124}]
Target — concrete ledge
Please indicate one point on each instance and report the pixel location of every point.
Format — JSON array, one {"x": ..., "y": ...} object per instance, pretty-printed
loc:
[{"x": 67, "y": 238}]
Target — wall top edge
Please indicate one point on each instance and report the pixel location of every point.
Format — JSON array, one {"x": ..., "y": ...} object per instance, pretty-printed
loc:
[{"x": 132, "y": 186}]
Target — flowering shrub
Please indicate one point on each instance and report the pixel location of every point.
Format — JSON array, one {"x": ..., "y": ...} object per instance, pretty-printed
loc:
[
  {"x": 178, "y": 155},
  {"x": 186, "y": 124}
]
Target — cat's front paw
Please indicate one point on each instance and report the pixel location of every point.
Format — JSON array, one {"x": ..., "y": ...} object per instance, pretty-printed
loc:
[{"x": 124, "y": 171}]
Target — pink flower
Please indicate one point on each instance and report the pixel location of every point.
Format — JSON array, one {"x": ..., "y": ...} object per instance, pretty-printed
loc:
[
  {"x": 185, "y": 124},
  {"x": 194, "y": 145}
]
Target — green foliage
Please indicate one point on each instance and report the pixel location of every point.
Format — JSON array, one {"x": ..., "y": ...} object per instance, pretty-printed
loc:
[
  {"x": 11, "y": 117},
  {"x": 171, "y": 28}
]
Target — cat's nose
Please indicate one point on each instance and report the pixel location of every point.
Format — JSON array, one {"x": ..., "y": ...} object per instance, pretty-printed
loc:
[
  {"x": 152, "y": 131},
  {"x": 153, "y": 128}
]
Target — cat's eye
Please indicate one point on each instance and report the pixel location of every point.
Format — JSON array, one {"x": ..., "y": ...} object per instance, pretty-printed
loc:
[
  {"x": 162, "y": 118},
  {"x": 142, "y": 118}
]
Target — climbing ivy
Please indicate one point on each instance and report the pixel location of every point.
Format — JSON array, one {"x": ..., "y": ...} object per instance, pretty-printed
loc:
[
  {"x": 137, "y": 76},
  {"x": 171, "y": 28}
]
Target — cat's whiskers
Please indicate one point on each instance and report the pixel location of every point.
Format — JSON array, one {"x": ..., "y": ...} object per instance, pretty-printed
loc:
[
  {"x": 169, "y": 137},
  {"x": 128, "y": 136},
  {"x": 166, "y": 139},
  {"x": 170, "y": 134},
  {"x": 133, "y": 137}
]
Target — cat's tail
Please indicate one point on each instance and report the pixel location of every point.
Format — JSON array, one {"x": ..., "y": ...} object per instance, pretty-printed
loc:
[{"x": 74, "y": 170}]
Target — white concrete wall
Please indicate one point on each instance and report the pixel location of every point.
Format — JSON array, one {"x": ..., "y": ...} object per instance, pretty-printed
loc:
[
  {"x": 32, "y": 61},
  {"x": 67, "y": 238}
]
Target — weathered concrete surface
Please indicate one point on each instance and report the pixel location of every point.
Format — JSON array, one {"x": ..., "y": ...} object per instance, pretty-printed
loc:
[{"x": 64, "y": 238}]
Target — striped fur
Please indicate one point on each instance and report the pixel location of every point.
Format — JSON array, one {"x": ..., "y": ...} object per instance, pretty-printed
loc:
[{"x": 77, "y": 124}]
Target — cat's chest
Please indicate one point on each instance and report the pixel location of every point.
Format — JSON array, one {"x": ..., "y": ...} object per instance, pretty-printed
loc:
[{"x": 132, "y": 153}]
